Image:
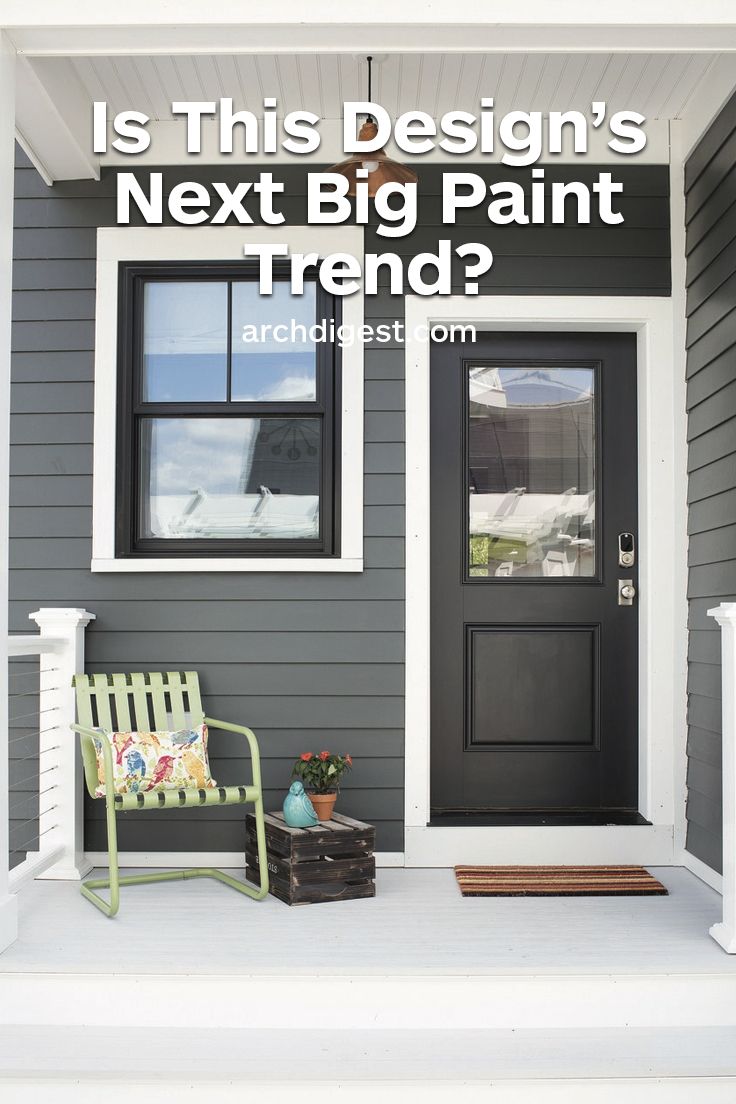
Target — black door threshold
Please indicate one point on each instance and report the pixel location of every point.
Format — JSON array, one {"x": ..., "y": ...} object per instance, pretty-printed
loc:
[{"x": 458, "y": 818}]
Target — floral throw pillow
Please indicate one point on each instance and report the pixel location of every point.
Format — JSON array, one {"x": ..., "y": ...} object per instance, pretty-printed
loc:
[{"x": 143, "y": 761}]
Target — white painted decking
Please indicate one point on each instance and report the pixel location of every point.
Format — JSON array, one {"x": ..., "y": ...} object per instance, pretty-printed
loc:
[
  {"x": 418, "y": 924},
  {"x": 194, "y": 988}
]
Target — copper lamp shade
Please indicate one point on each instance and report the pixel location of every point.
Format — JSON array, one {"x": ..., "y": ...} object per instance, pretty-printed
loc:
[{"x": 381, "y": 168}]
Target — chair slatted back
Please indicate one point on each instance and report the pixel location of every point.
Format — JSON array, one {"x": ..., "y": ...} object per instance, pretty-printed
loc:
[{"x": 169, "y": 701}]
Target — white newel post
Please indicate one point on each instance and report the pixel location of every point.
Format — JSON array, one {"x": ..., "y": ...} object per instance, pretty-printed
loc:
[
  {"x": 66, "y": 627},
  {"x": 725, "y": 932}
]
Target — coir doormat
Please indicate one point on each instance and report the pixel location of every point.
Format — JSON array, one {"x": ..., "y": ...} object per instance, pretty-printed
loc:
[{"x": 557, "y": 881}]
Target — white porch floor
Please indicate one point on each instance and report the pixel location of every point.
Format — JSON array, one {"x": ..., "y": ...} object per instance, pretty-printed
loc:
[
  {"x": 417, "y": 924},
  {"x": 193, "y": 988}
]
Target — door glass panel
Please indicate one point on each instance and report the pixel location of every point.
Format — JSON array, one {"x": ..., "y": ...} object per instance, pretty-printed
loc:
[
  {"x": 230, "y": 478},
  {"x": 531, "y": 472}
]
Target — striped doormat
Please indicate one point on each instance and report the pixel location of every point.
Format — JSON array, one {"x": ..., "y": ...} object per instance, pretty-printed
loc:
[{"x": 557, "y": 881}]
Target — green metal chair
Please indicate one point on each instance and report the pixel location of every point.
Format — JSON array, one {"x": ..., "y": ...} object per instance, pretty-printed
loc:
[{"x": 168, "y": 701}]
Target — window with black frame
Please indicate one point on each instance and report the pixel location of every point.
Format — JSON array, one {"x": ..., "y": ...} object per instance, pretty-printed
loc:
[{"x": 226, "y": 429}]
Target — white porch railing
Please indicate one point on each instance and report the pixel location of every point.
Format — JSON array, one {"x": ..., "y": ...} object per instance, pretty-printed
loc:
[
  {"x": 46, "y": 787},
  {"x": 32, "y": 761},
  {"x": 725, "y": 932}
]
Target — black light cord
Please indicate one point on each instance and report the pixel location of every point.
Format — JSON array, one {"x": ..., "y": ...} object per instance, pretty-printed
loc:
[{"x": 369, "y": 59}]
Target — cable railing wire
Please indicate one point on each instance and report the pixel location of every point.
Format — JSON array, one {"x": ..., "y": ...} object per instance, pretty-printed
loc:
[
  {"x": 23, "y": 798},
  {"x": 35, "y": 755},
  {"x": 35, "y": 713},
  {"x": 28, "y": 736},
  {"x": 43, "y": 782},
  {"x": 34, "y": 793},
  {"x": 32, "y": 671},
  {"x": 26, "y": 845},
  {"x": 18, "y": 823},
  {"x": 13, "y": 696},
  {"x": 31, "y": 777},
  {"x": 42, "y": 732}
]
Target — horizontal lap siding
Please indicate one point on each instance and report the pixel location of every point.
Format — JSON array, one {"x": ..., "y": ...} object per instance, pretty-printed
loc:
[
  {"x": 710, "y": 181},
  {"x": 309, "y": 661}
]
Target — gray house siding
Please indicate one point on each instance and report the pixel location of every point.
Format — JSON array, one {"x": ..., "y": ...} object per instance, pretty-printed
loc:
[
  {"x": 710, "y": 184},
  {"x": 309, "y": 661}
]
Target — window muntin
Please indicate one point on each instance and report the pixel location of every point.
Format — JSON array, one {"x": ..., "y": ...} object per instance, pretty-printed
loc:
[{"x": 224, "y": 452}]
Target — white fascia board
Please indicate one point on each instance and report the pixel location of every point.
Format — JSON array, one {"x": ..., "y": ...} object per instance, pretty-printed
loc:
[
  {"x": 155, "y": 26},
  {"x": 347, "y": 38},
  {"x": 18, "y": 14},
  {"x": 152, "y": 26},
  {"x": 53, "y": 119}
]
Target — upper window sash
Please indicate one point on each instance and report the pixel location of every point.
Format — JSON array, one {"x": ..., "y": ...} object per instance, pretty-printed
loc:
[
  {"x": 148, "y": 247},
  {"x": 306, "y": 372}
]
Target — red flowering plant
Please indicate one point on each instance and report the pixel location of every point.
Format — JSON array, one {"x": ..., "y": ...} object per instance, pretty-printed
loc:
[{"x": 321, "y": 773}]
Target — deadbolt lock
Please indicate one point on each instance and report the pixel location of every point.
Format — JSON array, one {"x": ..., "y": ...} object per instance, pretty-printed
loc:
[
  {"x": 626, "y": 550},
  {"x": 626, "y": 592}
]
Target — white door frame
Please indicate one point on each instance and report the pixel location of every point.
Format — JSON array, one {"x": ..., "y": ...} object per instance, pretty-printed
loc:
[{"x": 662, "y": 599}]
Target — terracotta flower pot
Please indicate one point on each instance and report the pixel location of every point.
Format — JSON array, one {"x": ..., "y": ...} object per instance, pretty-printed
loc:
[{"x": 323, "y": 804}]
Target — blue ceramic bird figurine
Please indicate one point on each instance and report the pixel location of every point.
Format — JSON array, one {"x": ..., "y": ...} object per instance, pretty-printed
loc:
[{"x": 298, "y": 809}]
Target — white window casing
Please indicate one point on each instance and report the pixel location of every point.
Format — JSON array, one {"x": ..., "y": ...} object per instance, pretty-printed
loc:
[{"x": 203, "y": 244}]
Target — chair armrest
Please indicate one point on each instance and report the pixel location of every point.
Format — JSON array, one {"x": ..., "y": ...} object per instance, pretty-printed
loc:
[
  {"x": 89, "y": 739},
  {"x": 226, "y": 726}
]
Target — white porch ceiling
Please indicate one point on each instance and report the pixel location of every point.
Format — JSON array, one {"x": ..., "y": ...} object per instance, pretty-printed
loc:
[
  {"x": 660, "y": 85},
  {"x": 55, "y": 93}
]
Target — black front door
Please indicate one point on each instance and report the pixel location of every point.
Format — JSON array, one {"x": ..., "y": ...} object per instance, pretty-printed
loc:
[{"x": 534, "y": 552}]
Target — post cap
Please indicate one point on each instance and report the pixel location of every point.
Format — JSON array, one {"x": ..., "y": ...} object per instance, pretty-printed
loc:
[{"x": 61, "y": 615}]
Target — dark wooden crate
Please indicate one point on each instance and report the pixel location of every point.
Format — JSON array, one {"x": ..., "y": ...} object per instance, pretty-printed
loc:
[{"x": 333, "y": 861}]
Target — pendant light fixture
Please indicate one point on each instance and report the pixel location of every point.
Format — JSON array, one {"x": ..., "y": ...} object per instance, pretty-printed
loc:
[{"x": 380, "y": 167}]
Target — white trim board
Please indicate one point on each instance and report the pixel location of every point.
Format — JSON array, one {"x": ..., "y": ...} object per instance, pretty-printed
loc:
[
  {"x": 697, "y": 867},
  {"x": 155, "y": 27},
  {"x": 679, "y": 389},
  {"x": 215, "y": 243},
  {"x": 8, "y": 903},
  {"x": 648, "y": 1090},
  {"x": 387, "y": 1000},
  {"x": 224, "y": 860},
  {"x": 662, "y": 546}
]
